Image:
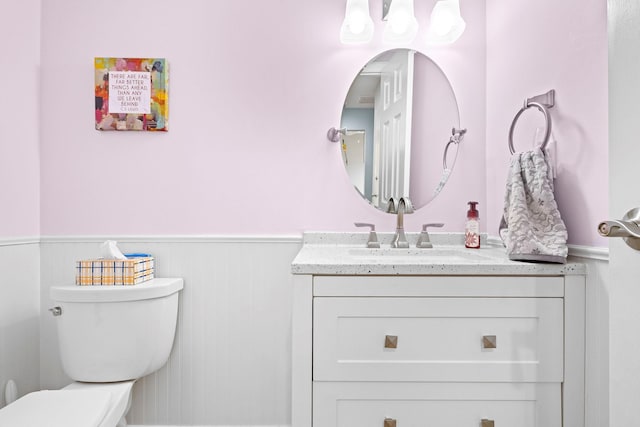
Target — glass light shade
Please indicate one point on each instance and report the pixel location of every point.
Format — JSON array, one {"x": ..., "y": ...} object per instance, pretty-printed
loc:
[
  {"x": 402, "y": 25},
  {"x": 447, "y": 24},
  {"x": 357, "y": 26}
]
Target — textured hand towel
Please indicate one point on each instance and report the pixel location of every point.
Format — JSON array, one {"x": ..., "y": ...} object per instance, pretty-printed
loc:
[{"x": 531, "y": 226}]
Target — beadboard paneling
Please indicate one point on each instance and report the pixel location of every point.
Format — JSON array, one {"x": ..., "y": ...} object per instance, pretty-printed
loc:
[
  {"x": 19, "y": 314},
  {"x": 597, "y": 337},
  {"x": 231, "y": 362},
  {"x": 148, "y": 425}
]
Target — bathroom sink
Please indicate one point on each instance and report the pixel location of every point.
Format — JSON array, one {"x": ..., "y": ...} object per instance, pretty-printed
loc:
[{"x": 400, "y": 255}]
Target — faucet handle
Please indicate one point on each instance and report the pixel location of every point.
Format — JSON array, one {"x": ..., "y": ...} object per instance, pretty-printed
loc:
[
  {"x": 373, "y": 237},
  {"x": 432, "y": 224},
  {"x": 424, "y": 241}
]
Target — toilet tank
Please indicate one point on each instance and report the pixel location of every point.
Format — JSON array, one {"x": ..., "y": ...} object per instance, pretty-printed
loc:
[{"x": 116, "y": 333}]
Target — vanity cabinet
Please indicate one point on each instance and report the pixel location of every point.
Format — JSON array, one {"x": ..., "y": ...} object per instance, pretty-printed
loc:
[{"x": 501, "y": 350}]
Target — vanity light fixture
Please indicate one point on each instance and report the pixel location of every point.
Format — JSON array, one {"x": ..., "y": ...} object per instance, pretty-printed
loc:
[
  {"x": 357, "y": 26},
  {"x": 402, "y": 25},
  {"x": 447, "y": 24}
]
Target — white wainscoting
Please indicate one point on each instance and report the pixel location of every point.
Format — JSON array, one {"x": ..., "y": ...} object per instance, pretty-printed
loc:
[
  {"x": 597, "y": 333},
  {"x": 147, "y": 425},
  {"x": 231, "y": 361},
  {"x": 19, "y": 314}
]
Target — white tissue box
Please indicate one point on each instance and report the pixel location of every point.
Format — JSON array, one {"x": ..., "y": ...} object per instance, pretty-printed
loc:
[{"x": 110, "y": 272}]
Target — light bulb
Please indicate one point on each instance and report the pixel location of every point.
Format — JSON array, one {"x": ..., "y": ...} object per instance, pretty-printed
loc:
[
  {"x": 357, "y": 22},
  {"x": 446, "y": 23},
  {"x": 400, "y": 22},
  {"x": 402, "y": 25},
  {"x": 357, "y": 26},
  {"x": 443, "y": 23}
]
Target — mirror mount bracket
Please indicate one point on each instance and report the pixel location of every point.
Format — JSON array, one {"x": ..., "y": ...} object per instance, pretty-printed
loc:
[
  {"x": 458, "y": 134},
  {"x": 333, "y": 134}
]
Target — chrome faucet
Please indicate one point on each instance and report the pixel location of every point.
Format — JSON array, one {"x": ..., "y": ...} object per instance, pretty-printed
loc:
[{"x": 400, "y": 239}]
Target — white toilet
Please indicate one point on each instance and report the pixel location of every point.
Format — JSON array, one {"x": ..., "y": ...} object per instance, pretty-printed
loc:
[{"x": 109, "y": 337}]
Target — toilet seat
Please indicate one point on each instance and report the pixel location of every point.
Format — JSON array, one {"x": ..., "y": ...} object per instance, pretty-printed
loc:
[
  {"x": 57, "y": 408},
  {"x": 77, "y": 405},
  {"x": 120, "y": 398}
]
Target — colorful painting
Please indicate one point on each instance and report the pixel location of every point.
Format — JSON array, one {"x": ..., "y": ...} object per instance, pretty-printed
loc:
[{"x": 131, "y": 94}]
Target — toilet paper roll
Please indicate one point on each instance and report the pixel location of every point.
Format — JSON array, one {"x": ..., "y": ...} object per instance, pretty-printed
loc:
[{"x": 109, "y": 250}]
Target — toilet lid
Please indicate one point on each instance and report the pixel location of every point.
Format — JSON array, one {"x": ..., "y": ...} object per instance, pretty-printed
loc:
[{"x": 57, "y": 408}]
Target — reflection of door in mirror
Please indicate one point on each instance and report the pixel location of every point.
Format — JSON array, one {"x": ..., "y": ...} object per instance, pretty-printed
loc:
[
  {"x": 361, "y": 118},
  {"x": 353, "y": 143},
  {"x": 392, "y": 126}
]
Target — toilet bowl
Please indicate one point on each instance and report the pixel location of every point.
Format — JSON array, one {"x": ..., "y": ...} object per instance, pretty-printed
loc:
[{"x": 109, "y": 336}]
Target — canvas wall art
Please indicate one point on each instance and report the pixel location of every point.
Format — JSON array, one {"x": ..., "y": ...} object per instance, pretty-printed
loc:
[{"x": 131, "y": 94}]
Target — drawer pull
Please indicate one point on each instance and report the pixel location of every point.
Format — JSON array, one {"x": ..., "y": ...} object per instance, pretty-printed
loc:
[
  {"x": 389, "y": 422},
  {"x": 487, "y": 423},
  {"x": 489, "y": 341},
  {"x": 390, "y": 341}
]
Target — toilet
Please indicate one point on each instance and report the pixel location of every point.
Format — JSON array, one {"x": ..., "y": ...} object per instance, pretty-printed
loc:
[{"x": 109, "y": 336}]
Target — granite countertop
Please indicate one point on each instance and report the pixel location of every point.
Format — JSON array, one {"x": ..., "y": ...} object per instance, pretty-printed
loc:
[{"x": 347, "y": 254}]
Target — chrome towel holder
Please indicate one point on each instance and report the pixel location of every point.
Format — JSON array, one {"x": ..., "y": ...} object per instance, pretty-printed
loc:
[{"x": 542, "y": 103}]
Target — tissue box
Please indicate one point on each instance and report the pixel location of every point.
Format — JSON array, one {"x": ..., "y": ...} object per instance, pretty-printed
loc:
[{"x": 109, "y": 272}]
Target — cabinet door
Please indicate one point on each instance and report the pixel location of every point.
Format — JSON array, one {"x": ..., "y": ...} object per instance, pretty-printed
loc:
[
  {"x": 438, "y": 339},
  {"x": 436, "y": 405}
]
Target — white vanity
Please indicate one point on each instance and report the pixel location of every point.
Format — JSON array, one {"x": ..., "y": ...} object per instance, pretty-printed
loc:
[{"x": 442, "y": 337}]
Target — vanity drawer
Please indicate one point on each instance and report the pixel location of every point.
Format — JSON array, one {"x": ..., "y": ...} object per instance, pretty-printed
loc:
[
  {"x": 439, "y": 286},
  {"x": 436, "y": 404},
  {"x": 438, "y": 339}
]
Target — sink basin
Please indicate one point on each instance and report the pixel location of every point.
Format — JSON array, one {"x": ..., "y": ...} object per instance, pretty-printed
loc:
[{"x": 400, "y": 255}]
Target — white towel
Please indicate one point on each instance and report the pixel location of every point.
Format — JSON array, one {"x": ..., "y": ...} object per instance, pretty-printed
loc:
[{"x": 531, "y": 226}]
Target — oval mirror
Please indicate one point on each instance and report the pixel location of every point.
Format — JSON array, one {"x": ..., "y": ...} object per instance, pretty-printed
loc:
[{"x": 399, "y": 132}]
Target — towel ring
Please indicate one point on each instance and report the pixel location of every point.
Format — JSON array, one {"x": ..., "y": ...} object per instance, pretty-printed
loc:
[{"x": 547, "y": 118}]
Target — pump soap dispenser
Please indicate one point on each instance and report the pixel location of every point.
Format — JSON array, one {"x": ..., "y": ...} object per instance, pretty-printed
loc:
[{"x": 472, "y": 227}]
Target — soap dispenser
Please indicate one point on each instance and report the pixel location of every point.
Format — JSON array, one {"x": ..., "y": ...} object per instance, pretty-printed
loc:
[{"x": 472, "y": 227}]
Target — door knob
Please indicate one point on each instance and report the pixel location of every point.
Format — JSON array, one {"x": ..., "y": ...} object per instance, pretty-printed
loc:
[{"x": 628, "y": 228}]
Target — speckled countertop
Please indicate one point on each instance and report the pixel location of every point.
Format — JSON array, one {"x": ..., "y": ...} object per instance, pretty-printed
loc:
[{"x": 347, "y": 254}]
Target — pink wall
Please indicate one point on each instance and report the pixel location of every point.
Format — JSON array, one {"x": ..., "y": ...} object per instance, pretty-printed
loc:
[
  {"x": 533, "y": 47},
  {"x": 19, "y": 89},
  {"x": 246, "y": 152},
  {"x": 254, "y": 88}
]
